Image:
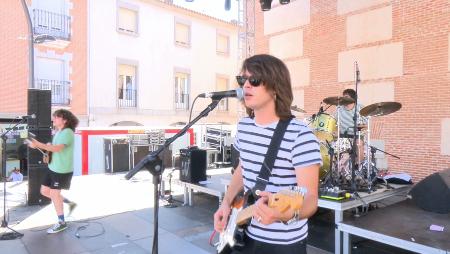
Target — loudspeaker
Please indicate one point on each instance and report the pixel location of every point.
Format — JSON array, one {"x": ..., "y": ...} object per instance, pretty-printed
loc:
[
  {"x": 433, "y": 192},
  {"x": 193, "y": 165},
  {"x": 35, "y": 178},
  {"x": 43, "y": 135},
  {"x": 40, "y": 104}
]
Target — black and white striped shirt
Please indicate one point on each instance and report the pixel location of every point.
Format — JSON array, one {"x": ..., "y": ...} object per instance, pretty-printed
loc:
[{"x": 299, "y": 148}]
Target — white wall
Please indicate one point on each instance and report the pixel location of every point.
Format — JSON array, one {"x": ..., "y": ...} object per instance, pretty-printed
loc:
[{"x": 157, "y": 57}]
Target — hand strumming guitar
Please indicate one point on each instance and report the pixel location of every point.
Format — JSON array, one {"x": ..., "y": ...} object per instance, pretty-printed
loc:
[{"x": 267, "y": 213}]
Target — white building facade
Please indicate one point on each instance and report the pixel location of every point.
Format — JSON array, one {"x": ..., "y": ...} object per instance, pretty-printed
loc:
[{"x": 148, "y": 60}]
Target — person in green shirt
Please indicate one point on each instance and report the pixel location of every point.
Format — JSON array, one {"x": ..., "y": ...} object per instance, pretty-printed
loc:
[{"x": 60, "y": 166}]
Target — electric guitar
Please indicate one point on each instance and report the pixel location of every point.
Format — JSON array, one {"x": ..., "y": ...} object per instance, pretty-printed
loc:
[{"x": 233, "y": 235}]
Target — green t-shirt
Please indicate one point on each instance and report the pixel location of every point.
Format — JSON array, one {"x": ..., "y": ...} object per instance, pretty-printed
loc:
[{"x": 62, "y": 161}]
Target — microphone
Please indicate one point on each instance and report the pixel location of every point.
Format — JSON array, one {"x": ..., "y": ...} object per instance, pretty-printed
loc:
[
  {"x": 32, "y": 116},
  {"x": 357, "y": 72},
  {"x": 238, "y": 93}
]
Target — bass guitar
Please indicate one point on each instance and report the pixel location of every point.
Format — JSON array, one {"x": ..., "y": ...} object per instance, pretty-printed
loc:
[{"x": 233, "y": 235}]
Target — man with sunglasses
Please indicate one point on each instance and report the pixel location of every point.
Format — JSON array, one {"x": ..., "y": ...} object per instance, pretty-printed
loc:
[{"x": 268, "y": 98}]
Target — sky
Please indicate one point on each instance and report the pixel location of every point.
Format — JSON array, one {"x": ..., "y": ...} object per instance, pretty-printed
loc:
[{"x": 214, "y": 8}]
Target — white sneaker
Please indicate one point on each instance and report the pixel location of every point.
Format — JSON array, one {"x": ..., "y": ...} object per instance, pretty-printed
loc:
[{"x": 58, "y": 227}]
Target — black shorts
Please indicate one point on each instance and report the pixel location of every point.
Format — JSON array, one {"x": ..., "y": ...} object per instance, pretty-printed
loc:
[{"x": 57, "y": 181}]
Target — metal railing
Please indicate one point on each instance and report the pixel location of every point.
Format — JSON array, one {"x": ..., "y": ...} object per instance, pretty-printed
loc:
[
  {"x": 60, "y": 90},
  {"x": 53, "y": 24},
  {"x": 182, "y": 101},
  {"x": 127, "y": 98}
]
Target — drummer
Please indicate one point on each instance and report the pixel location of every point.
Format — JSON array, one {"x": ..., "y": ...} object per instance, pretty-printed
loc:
[{"x": 346, "y": 114}]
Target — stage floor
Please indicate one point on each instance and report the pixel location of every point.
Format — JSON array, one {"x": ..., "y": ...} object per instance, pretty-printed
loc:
[{"x": 113, "y": 216}]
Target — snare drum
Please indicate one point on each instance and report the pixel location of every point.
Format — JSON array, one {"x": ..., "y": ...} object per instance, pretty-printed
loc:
[{"x": 324, "y": 127}]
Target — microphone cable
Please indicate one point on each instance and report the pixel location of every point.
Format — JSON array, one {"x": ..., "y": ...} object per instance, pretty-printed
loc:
[{"x": 192, "y": 107}]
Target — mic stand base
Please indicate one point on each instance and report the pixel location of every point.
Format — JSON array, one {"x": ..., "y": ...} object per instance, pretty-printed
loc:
[
  {"x": 10, "y": 235},
  {"x": 169, "y": 200}
]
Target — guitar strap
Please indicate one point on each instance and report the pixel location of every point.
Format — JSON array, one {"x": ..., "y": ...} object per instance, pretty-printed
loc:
[{"x": 269, "y": 160}]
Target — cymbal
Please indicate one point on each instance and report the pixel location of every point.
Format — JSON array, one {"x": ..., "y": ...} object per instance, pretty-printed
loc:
[
  {"x": 297, "y": 109},
  {"x": 380, "y": 109},
  {"x": 338, "y": 100}
]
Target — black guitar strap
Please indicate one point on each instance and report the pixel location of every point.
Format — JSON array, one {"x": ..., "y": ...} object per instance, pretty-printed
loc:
[{"x": 269, "y": 160}]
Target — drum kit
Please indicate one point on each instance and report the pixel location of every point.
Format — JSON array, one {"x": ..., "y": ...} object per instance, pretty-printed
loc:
[{"x": 336, "y": 149}]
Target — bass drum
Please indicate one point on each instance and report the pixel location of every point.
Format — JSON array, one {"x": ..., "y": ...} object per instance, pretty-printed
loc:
[{"x": 325, "y": 161}]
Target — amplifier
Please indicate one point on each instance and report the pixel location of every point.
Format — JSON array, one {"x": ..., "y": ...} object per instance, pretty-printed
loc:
[{"x": 193, "y": 165}]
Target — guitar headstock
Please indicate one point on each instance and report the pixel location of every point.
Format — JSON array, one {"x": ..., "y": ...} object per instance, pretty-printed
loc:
[{"x": 290, "y": 198}]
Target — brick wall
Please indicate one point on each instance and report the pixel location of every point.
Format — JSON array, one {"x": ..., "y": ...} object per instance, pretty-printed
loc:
[
  {"x": 402, "y": 48},
  {"x": 13, "y": 59},
  {"x": 14, "y": 55}
]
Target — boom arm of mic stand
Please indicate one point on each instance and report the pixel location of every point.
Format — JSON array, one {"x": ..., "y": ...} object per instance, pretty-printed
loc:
[
  {"x": 153, "y": 156},
  {"x": 374, "y": 148}
]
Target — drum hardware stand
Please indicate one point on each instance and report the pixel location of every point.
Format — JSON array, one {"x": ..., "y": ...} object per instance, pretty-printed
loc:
[
  {"x": 14, "y": 234},
  {"x": 329, "y": 180},
  {"x": 154, "y": 164},
  {"x": 354, "y": 164}
]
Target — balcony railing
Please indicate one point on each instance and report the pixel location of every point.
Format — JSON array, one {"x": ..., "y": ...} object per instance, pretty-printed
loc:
[
  {"x": 181, "y": 101},
  {"x": 53, "y": 24},
  {"x": 127, "y": 98},
  {"x": 60, "y": 90}
]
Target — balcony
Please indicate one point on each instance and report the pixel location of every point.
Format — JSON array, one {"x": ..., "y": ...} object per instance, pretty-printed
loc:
[
  {"x": 60, "y": 90},
  {"x": 53, "y": 24},
  {"x": 181, "y": 101},
  {"x": 127, "y": 98}
]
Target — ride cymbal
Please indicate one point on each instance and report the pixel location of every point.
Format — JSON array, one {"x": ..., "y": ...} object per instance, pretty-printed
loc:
[
  {"x": 380, "y": 108},
  {"x": 338, "y": 100}
]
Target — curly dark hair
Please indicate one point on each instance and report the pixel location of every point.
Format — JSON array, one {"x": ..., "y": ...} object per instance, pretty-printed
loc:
[
  {"x": 276, "y": 78},
  {"x": 350, "y": 92},
  {"x": 71, "y": 119}
]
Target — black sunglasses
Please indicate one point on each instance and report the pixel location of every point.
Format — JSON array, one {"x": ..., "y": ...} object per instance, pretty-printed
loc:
[{"x": 252, "y": 80}]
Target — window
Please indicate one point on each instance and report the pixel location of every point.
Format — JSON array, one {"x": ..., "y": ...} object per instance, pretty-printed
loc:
[
  {"x": 126, "y": 85},
  {"x": 182, "y": 34},
  {"x": 51, "y": 75},
  {"x": 181, "y": 91},
  {"x": 222, "y": 46},
  {"x": 127, "y": 20},
  {"x": 222, "y": 85}
]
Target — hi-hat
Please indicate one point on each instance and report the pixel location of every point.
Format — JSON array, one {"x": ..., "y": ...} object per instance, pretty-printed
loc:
[
  {"x": 338, "y": 100},
  {"x": 297, "y": 109},
  {"x": 380, "y": 109}
]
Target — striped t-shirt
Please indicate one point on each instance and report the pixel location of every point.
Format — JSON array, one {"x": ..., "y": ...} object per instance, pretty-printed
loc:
[
  {"x": 346, "y": 119},
  {"x": 299, "y": 148}
]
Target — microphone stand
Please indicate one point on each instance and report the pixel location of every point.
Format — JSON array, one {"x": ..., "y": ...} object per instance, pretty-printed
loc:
[
  {"x": 355, "y": 122},
  {"x": 14, "y": 234},
  {"x": 153, "y": 163}
]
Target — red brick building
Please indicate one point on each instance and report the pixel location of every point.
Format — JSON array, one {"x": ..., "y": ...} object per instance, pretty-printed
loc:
[{"x": 402, "y": 49}]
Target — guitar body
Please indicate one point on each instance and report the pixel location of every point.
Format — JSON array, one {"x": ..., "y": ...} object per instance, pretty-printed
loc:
[
  {"x": 233, "y": 236},
  {"x": 47, "y": 157}
]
